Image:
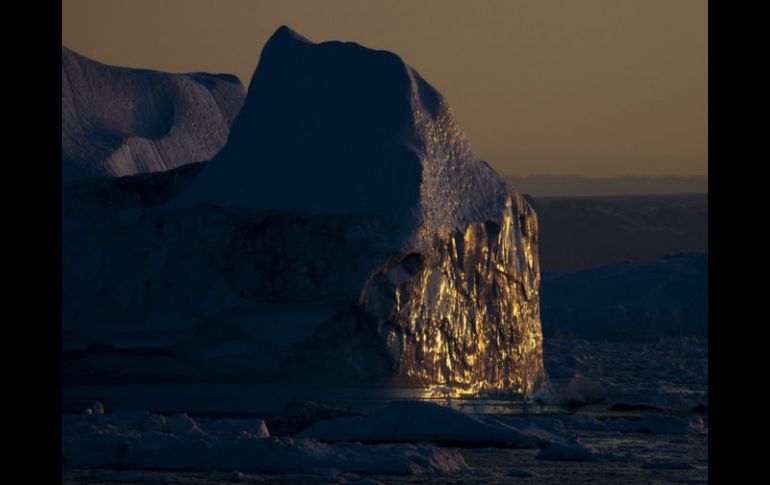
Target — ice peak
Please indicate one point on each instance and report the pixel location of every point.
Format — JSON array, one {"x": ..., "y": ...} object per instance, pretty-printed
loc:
[
  {"x": 284, "y": 32},
  {"x": 336, "y": 127},
  {"x": 283, "y": 38}
]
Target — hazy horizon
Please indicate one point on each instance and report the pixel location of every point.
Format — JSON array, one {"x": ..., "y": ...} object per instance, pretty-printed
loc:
[
  {"x": 596, "y": 88},
  {"x": 562, "y": 185}
]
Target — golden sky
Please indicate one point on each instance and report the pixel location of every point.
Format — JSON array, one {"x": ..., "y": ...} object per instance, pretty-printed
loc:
[{"x": 587, "y": 87}]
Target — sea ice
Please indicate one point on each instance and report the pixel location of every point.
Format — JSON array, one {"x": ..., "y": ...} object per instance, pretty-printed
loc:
[
  {"x": 657, "y": 424},
  {"x": 667, "y": 465},
  {"x": 423, "y": 421},
  {"x": 97, "y": 407},
  {"x": 576, "y": 452},
  {"x": 136, "y": 477},
  {"x": 128, "y": 441}
]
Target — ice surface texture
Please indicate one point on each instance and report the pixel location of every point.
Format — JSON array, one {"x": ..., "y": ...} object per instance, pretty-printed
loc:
[
  {"x": 416, "y": 421},
  {"x": 339, "y": 128},
  {"x": 140, "y": 440},
  {"x": 466, "y": 314},
  {"x": 118, "y": 121},
  {"x": 346, "y": 231}
]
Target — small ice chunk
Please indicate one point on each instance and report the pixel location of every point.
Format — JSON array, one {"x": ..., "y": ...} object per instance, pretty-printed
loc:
[
  {"x": 236, "y": 476},
  {"x": 263, "y": 431},
  {"x": 98, "y": 407},
  {"x": 582, "y": 390},
  {"x": 182, "y": 424},
  {"x": 696, "y": 423},
  {"x": 234, "y": 427}
]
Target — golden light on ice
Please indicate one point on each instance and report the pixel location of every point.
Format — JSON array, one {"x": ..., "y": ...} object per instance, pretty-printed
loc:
[{"x": 467, "y": 319}]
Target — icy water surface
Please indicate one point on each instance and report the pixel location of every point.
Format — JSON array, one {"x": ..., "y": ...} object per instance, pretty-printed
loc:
[
  {"x": 664, "y": 380},
  {"x": 495, "y": 465}
]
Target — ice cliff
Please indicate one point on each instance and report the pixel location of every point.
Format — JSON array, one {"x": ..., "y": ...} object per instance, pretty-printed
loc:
[
  {"x": 118, "y": 121},
  {"x": 346, "y": 231}
]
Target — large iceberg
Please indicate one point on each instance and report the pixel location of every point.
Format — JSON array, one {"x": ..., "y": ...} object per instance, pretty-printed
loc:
[{"x": 345, "y": 232}]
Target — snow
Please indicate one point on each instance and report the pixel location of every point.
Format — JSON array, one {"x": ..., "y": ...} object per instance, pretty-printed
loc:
[
  {"x": 118, "y": 121},
  {"x": 183, "y": 443},
  {"x": 414, "y": 421}
]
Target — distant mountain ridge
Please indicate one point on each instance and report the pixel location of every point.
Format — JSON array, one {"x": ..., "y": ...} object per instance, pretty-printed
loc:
[
  {"x": 576, "y": 185},
  {"x": 582, "y": 232}
]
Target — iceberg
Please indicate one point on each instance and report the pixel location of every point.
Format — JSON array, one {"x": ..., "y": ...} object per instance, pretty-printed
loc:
[
  {"x": 118, "y": 121},
  {"x": 346, "y": 232}
]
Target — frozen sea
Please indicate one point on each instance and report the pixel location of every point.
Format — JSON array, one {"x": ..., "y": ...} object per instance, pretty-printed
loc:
[{"x": 653, "y": 390}]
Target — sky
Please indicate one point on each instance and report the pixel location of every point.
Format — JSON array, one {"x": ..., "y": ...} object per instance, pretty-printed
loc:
[{"x": 596, "y": 88}]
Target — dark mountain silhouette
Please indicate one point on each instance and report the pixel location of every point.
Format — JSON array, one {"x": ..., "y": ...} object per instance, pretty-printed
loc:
[
  {"x": 575, "y": 185},
  {"x": 581, "y": 232}
]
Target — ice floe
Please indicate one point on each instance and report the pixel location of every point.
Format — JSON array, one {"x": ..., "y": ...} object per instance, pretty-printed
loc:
[
  {"x": 144, "y": 441},
  {"x": 414, "y": 421},
  {"x": 657, "y": 424},
  {"x": 577, "y": 452}
]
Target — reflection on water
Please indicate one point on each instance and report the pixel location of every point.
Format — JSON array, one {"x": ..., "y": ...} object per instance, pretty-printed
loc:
[{"x": 263, "y": 399}]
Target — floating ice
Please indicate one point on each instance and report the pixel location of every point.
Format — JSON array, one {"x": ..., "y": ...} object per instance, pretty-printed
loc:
[
  {"x": 576, "y": 452},
  {"x": 582, "y": 390},
  {"x": 128, "y": 441},
  {"x": 657, "y": 424},
  {"x": 414, "y": 421},
  {"x": 97, "y": 407}
]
